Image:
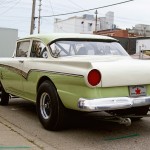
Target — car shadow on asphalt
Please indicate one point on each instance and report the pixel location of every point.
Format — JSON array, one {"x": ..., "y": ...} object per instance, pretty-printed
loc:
[{"x": 93, "y": 121}]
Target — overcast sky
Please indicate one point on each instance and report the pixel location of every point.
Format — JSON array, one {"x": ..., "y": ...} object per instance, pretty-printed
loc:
[{"x": 17, "y": 13}]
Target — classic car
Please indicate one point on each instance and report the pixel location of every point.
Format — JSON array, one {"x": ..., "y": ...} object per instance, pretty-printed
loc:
[{"x": 80, "y": 72}]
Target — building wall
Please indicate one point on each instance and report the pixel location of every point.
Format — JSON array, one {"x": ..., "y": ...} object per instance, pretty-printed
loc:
[
  {"x": 103, "y": 23},
  {"x": 113, "y": 33},
  {"x": 141, "y": 30},
  {"x": 142, "y": 44},
  {"x": 67, "y": 25},
  {"x": 8, "y": 39},
  {"x": 132, "y": 45},
  {"x": 84, "y": 24},
  {"x": 129, "y": 44},
  {"x": 109, "y": 20}
]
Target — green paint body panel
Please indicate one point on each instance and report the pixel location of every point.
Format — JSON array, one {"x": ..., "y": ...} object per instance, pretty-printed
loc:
[{"x": 69, "y": 88}]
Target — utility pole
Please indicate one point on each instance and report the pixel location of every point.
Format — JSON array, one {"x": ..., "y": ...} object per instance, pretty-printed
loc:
[
  {"x": 96, "y": 12},
  {"x": 39, "y": 18},
  {"x": 33, "y": 17}
]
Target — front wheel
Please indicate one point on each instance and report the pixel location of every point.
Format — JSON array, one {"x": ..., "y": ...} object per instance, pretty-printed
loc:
[{"x": 50, "y": 109}]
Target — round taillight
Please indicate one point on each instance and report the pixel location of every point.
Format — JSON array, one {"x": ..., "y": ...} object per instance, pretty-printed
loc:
[{"x": 94, "y": 77}]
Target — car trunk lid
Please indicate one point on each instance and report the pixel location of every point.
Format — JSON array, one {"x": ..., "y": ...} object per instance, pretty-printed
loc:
[{"x": 124, "y": 72}]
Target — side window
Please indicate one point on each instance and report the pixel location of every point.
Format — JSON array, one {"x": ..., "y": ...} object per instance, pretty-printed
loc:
[
  {"x": 39, "y": 50},
  {"x": 22, "y": 48}
]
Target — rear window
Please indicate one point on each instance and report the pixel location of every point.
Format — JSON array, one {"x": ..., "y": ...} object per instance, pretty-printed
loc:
[{"x": 70, "y": 48}]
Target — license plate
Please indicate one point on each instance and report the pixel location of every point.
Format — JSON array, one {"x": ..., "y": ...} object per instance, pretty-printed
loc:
[{"x": 139, "y": 90}]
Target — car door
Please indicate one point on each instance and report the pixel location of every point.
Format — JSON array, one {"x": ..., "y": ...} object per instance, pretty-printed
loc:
[
  {"x": 17, "y": 74},
  {"x": 32, "y": 65}
]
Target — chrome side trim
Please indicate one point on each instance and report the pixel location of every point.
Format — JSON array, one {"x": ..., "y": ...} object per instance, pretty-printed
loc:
[{"x": 114, "y": 103}]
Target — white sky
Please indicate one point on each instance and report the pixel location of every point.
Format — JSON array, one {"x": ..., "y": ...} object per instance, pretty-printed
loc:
[{"x": 17, "y": 13}]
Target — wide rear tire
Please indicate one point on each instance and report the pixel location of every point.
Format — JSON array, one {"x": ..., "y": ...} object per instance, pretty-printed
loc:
[
  {"x": 50, "y": 109},
  {"x": 4, "y": 96}
]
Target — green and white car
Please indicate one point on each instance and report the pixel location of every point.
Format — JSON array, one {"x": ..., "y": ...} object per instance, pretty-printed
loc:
[{"x": 81, "y": 72}]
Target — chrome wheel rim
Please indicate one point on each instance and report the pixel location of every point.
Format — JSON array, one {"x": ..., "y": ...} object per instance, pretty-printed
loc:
[{"x": 45, "y": 105}]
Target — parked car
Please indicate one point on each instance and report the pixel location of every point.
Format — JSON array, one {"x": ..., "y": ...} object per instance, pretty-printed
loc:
[{"x": 81, "y": 72}]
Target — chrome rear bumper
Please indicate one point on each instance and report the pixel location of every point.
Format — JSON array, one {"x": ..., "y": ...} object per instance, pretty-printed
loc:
[{"x": 114, "y": 103}]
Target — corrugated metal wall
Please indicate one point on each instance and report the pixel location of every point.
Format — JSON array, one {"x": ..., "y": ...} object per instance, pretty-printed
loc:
[
  {"x": 129, "y": 44},
  {"x": 8, "y": 39}
]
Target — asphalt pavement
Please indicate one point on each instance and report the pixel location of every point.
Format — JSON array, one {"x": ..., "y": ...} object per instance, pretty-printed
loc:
[
  {"x": 14, "y": 138},
  {"x": 20, "y": 129}
]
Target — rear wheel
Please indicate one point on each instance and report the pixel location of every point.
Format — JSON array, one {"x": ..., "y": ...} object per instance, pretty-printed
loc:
[
  {"x": 4, "y": 96},
  {"x": 50, "y": 109}
]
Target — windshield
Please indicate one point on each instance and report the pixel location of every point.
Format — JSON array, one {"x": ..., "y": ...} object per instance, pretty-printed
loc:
[{"x": 70, "y": 48}]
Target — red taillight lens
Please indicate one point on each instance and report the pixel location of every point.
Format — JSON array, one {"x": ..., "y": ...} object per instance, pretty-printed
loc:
[{"x": 94, "y": 77}]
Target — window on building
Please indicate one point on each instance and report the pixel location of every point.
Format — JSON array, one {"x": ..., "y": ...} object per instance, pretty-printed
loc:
[{"x": 89, "y": 26}]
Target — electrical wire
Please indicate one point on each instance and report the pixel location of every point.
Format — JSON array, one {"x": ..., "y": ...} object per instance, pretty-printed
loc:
[
  {"x": 90, "y": 9},
  {"x": 5, "y": 3},
  {"x": 51, "y": 7},
  {"x": 17, "y": 2},
  {"x": 75, "y": 4}
]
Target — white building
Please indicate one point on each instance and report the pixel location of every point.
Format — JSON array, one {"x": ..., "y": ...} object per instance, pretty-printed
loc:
[
  {"x": 141, "y": 30},
  {"x": 109, "y": 20},
  {"x": 84, "y": 24},
  {"x": 8, "y": 39},
  {"x": 142, "y": 45}
]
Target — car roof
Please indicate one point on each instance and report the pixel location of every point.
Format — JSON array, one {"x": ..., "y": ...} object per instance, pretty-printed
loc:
[{"x": 47, "y": 38}]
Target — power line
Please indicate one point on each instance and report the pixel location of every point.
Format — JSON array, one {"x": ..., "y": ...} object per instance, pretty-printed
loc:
[
  {"x": 75, "y": 4},
  {"x": 90, "y": 9},
  {"x": 52, "y": 9},
  {"x": 17, "y": 2},
  {"x": 5, "y": 3},
  {"x": 51, "y": 6}
]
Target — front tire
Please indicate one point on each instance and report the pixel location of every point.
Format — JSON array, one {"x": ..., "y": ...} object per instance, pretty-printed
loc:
[{"x": 50, "y": 109}]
